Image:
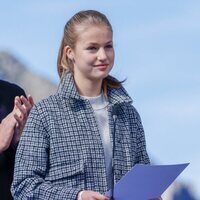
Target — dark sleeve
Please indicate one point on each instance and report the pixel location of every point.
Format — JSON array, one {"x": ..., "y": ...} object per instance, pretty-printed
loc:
[{"x": 8, "y": 92}]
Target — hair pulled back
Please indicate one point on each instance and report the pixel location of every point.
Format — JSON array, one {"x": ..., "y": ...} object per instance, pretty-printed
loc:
[{"x": 70, "y": 36}]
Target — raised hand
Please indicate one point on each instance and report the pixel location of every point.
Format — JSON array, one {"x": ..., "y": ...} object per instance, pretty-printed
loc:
[
  {"x": 21, "y": 110},
  {"x": 12, "y": 125}
]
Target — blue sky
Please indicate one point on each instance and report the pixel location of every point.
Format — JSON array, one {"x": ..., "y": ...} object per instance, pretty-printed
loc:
[{"x": 157, "y": 46}]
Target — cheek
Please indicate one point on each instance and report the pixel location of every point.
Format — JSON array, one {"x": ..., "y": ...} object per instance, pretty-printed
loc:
[
  {"x": 112, "y": 56},
  {"x": 111, "y": 53},
  {"x": 88, "y": 58},
  {"x": 90, "y": 61}
]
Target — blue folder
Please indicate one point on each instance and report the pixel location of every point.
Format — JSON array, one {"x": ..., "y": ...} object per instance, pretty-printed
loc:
[{"x": 145, "y": 182}]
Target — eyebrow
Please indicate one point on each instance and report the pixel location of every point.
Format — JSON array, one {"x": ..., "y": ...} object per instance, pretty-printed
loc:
[{"x": 94, "y": 43}]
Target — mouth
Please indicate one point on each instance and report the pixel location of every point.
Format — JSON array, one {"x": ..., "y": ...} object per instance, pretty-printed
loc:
[{"x": 102, "y": 66}]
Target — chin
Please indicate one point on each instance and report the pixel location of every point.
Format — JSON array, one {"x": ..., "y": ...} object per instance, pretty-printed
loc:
[
  {"x": 102, "y": 76},
  {"x": 99, "y": 75},
  {"x": 99, "y": 78}
]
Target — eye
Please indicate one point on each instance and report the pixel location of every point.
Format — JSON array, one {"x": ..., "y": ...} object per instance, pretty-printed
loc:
[
  {"x": 92, "y": 48},
  {"x": 109, "y": 46}
]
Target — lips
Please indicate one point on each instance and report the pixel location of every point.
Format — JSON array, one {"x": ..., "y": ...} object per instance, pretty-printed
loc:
[{"x": 102, "y": 67}]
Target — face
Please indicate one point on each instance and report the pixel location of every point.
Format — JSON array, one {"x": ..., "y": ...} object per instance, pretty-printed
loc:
[{"x": 93, "y": 55}]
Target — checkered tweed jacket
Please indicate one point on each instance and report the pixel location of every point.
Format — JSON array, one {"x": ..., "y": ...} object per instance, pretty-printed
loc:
[{"x": 61, "y": 152}]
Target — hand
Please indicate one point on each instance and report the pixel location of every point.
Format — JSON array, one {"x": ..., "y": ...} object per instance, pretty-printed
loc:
[
  {"x": 7, "y": 128},
  {"x": 91, "y": 195},
  {"x": 11, "y": 126},
  {"x": 21, "y": 111}
]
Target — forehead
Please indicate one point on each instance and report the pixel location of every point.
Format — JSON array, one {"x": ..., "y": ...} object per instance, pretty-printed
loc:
[{"x": 93, "y": 34}]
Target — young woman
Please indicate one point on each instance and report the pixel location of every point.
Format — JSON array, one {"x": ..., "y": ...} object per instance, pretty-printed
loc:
[{"x": 66, "y": 148}]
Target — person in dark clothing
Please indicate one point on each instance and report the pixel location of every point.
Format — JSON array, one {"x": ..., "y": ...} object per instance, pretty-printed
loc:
[{"x": 14, "y": 109}]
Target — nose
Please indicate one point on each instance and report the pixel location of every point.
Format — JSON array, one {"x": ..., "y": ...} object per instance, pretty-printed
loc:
[{"x": 102, "y": 54}]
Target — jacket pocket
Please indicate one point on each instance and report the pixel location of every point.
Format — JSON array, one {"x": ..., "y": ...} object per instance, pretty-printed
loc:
[{"x": 71, "y": 174}]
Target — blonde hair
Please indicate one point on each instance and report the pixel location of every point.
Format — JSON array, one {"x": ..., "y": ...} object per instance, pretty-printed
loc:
[{"x": 88, "y": 17}]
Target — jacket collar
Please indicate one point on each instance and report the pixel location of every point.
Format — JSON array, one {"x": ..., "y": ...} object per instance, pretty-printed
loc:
[
  {"x": 67, "y": 89},
  {"x": 118, "y": 96}
]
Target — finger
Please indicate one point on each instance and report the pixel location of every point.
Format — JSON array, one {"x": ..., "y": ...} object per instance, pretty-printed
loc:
[
  {"x": 19, "y": 125},
  {"x": 17, "y": 99},
  {"x": 19, "y": 120},
  {"x": 99, "y": 196},
  {"x": 21, "y": 108},
  {"x": 26, "y": 103},
  {"x": 30, "y": 99}
]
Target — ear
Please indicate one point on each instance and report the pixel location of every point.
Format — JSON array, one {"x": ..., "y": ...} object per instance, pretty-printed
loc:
[{"x": 68, "y": 52}]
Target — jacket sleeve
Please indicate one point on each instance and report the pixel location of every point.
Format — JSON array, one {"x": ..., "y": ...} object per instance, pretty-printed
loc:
[
  {"x": 31, "y": 164},
  {"x": 142, "y": 155}
]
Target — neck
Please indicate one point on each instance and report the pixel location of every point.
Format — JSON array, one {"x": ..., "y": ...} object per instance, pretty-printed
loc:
[{"x": 89, "y": 88}]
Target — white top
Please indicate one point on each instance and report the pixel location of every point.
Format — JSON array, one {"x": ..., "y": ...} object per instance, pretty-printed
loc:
[{"x": 99, "y": 105}]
